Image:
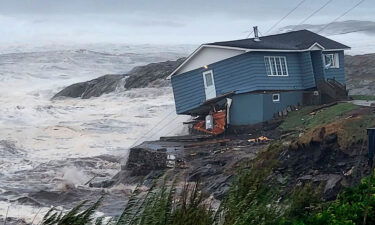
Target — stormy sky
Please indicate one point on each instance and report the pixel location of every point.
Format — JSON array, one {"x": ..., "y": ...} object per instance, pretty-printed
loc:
[{"x": 159, "y": 21}]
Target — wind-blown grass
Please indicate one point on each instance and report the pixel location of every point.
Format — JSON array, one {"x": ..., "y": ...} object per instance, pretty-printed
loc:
[{"x": 160, "y": 206}]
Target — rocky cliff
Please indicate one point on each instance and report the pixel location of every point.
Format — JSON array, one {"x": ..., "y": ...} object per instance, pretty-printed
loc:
[
  {"x": 360, "y": 72},
  {"x": 151, "y": 75},
  {"x": 323, "y": 147}
]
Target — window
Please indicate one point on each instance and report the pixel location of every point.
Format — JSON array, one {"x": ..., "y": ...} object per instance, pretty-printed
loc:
[
  {"x": 276, "y": 97},
  {"x": 276, "y": 65},
  {"x": 331, "y": 60},
  {"x": 208, "y": 77}
]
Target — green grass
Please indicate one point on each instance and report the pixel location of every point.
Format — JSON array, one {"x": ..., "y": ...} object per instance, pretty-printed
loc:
[
  {"x": 303, "y": 119},
  {"x": 353, "y": 206},
  {"x": 251, "y": 199},
  {"x": 160, "y": 206},
  {"x": 363, "y": 97}
]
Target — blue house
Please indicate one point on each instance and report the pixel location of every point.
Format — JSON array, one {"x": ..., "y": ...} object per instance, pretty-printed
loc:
[{"x": 257, "y": 78}]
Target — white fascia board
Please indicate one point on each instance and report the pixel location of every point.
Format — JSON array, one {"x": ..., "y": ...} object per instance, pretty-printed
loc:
[
  {"x": 335, "y": 50},
  {"x": 250, "y": 50},
  {"x": 316, "y": 44},
  {"x": 198, "y": 50},
  {"x": 184, "y": 62},
  {"x": 225, "y": 47}
]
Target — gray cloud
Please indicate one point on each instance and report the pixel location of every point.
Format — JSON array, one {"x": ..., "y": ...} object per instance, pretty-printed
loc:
[{"x": 165, "y": 21}]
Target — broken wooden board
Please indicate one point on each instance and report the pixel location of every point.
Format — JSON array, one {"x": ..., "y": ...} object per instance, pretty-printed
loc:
[
  {"x": 209, "y": 142},
  {"x": 186, "y": 138}
]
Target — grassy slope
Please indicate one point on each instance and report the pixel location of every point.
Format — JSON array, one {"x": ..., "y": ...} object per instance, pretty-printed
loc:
[
  {"x": 363, "y": 97},
  {"x": 255, "y": 199},
  {"x": 304, "y": 119}
]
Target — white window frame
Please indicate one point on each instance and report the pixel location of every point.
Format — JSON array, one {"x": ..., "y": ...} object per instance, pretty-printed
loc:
[
  {"x": 278, "y": 97},
  {"x": 212, "y": 77},
  {"x": 270, "y": 71},
  {"x": 335, "y": 60}
]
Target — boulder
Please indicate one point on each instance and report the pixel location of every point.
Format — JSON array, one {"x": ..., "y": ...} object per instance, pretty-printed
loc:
[
  {"x": 151, "y": 75},
  {"x": 93, "y": 88}
]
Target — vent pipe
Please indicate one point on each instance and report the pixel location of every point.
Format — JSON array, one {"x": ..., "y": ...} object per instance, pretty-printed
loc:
[{"x": 256, "y": 34}]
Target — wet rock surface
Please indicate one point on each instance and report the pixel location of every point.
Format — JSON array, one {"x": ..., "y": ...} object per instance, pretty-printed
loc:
[
  {"x": 93, "y": 88},
  {"x": 320, "y": 158},
  {"x": 360, "y": 71},
  {"x": 151, "y": 75},
  {"x": 211, "y": 162}
]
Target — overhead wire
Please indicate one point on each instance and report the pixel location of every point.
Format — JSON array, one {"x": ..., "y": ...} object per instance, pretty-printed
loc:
[
  {"x": 315, "y": 12},
  {"x": 340, "y": 16},
  {"x": 284, "y": 17},
  {"x": 270, "y": 29},
  {"x": 155, "y": 126}
]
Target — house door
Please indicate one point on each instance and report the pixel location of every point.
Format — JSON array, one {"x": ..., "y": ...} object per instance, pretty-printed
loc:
[{"x": 209, "y": 84}]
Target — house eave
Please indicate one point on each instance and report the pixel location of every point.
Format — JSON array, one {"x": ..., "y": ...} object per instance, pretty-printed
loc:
[
  {"x": 250, "y": 50},
  {"x": 197, "y": 50}
]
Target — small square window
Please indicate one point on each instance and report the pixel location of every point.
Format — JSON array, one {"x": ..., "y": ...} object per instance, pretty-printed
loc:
[
  {"x": 276, "y": 97},
  {"x": 331, "y": 61}
]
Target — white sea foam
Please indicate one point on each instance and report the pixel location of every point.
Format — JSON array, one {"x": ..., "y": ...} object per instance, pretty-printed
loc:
[
  {"x": 44, "y": 134},
  {"x": 37, "y": 134},
  {"x": 29, "y": 214}
]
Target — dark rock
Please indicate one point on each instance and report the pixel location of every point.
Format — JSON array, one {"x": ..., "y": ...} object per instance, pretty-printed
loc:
[
  {"x": 360, "y": 70},
  {"x": 151, "y": 75},
  {"x": 27, "y": 201},
  {"x": 13, "y": 221},
  {"x": 142, "y": 161},
  {"x": 200, "y": 173},
  {"x": 330, "y": 139},
  {"x": 93, "y": 88},
  {"x": 103, "y": 184}
]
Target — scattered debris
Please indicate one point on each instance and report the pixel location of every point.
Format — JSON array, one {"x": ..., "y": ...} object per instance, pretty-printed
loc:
[
  {"x": 219, "y": 121},
  {"x": 261, "y": 139}
]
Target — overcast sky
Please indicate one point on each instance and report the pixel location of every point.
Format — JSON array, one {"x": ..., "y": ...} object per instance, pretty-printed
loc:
[{"x": 158, "y": 21}]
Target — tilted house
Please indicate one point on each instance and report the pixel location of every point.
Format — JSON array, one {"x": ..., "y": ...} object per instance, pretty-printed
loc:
[{"x": 262, "y": 76}]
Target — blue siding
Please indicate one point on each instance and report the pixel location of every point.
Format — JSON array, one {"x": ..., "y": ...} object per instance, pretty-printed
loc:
[
  {"x": 255, "y": 108},
  {"x": 242, "y": 73},
  {"x": 247, "y": 72},
  {"x": 246, "y": 109},
  {"x": 286, "y": 99},
  {"x": 308, "y": 79},
  {"x": 317, "y": 63},
  {"x": 337, "y": 73},
  {"x": 188, "y": 90}
]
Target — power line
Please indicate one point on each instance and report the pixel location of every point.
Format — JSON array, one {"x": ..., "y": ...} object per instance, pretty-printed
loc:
[
  {"x": 260, "y": 32},
  {"x": 156, "y": 125},
  {"x": 342, "y": 15},
  {"x": 315, "y": 12},
  {"x": 250, "y": 34},
  {"x": 149, "y": 131},
  {"x": 290, "y": 12}
]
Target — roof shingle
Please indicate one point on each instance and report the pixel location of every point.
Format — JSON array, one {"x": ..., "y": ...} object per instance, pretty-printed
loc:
[{"x": 294, "y": 40}]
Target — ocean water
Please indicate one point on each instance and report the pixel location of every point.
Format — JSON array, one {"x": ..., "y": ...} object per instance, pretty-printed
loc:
[{"x": 50, "y": 149}]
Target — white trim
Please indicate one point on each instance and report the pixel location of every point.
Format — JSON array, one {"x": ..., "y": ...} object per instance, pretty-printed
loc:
[
  {"x": 278, "y": 97},
  {"x": 336, "y": 50},
  {"x": 197, "y": 50},
  {"x": 275, "y": 50},
  {"x": 249, "y": 50},
  {"x": 335, "y": 60},
  {"x": 281, "y": 65},
  {"x": 316, "y": 44},
  {"x": 184, "y": 62},
  {"x": 225, "y": 47},
  {"x": 205, "y": 84}
]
